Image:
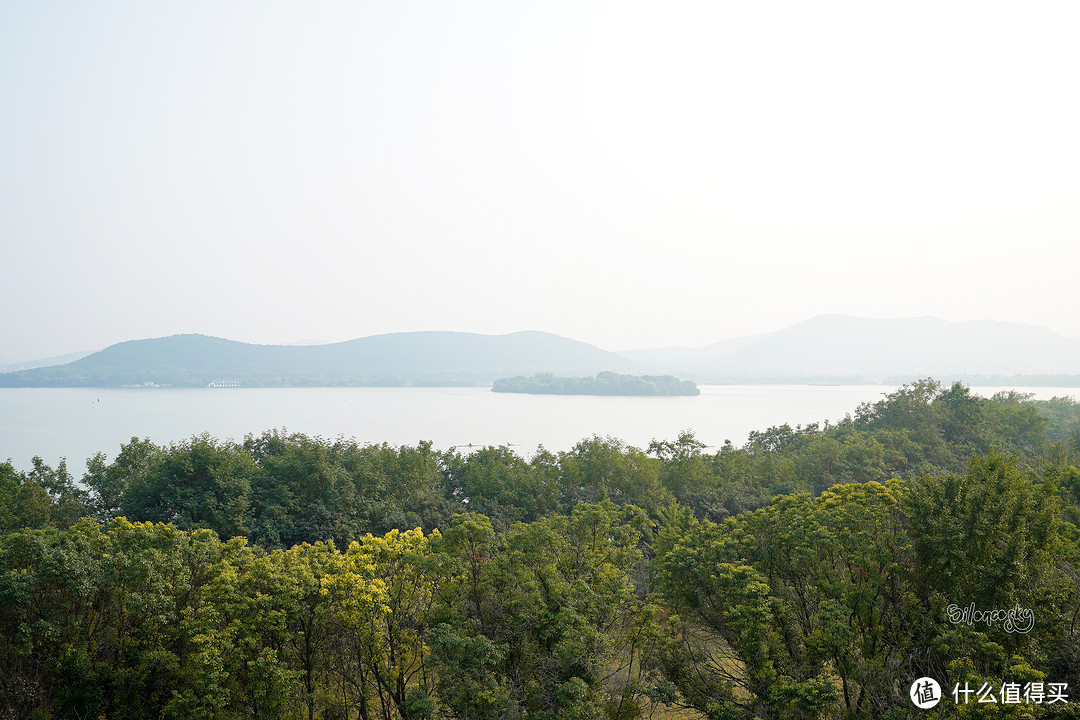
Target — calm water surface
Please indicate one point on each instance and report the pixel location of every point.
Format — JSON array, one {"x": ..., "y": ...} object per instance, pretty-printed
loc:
[{"x": 76, "y": 423}]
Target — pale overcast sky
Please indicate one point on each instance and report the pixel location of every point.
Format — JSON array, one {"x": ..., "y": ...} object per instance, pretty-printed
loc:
[{"x": 628, "y": 174}]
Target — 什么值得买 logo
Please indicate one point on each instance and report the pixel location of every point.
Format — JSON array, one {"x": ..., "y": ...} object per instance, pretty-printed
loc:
[{"x": 925, "y": 693}]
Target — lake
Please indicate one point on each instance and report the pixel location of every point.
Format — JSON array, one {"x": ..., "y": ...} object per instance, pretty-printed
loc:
[{"x": 75, "y": 423}]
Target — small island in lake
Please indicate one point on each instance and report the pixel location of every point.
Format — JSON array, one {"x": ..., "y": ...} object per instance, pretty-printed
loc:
[{"x": 605, "y": 383}]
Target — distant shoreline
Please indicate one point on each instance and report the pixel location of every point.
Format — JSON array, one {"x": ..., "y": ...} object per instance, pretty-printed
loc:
[
  {"x": 828, "y": 350},
  {"x": 604, "y": 384}
]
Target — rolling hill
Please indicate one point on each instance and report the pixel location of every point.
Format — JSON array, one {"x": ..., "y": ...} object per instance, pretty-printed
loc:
[
  {"x": 419, "y": 358},
  {"x": 828, "y": 348}
]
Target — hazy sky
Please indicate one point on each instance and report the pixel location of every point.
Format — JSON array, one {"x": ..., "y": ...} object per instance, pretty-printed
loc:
[{"x": 627, "y": 174}]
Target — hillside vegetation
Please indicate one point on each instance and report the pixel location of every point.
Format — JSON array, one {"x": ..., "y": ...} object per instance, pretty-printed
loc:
[{"x": 811, "y": 573}]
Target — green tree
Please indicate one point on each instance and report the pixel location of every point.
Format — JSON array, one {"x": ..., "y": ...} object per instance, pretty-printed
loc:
[
  {"x": 303, "y": 492},
  {"x": 502, "y": 485},
  {"x": 198, "y": 483},
  {"x": 108, "y": 482},
  {"x": 23, "y": 502},
  {"x": 551, "y": 614},
  {"x": 599, "y": 469},
  {"x": 688, "y": 475}
]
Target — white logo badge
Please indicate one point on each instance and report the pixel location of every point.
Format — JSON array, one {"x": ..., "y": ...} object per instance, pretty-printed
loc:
[{"x": 925, "y": 693}]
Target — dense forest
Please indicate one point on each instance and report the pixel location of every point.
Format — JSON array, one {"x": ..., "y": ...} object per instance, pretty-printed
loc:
[
  {"x": 813, "y": 572},
  {"x": 605, "y": 383}
]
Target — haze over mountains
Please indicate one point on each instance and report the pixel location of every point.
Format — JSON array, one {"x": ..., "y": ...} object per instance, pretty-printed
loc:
[
  {"x": 828, "y": 348},
  {"x": 8, "y": 365},
  {"x": 845, "y": 347}
]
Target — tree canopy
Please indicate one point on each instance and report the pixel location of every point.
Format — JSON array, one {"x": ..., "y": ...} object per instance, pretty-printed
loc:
[{"x": 813, "y": 572}]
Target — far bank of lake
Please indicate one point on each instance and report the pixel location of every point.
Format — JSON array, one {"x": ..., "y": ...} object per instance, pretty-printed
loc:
[{"x": 75, "y": 423}]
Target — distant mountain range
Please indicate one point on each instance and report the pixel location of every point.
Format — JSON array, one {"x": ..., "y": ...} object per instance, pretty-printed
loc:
[
  {"x": 853, "y": 349},
  {"x": 826, "y": 349},
  {"x": 418, "y": 358},
  {"x": 9, "y": 366}
]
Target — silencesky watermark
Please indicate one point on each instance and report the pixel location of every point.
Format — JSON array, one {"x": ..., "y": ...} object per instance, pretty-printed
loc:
[{"x": 1014, "y": 620}]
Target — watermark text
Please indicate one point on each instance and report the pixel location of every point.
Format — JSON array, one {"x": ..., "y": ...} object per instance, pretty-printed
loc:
[{"x": 1014, "y": 620}]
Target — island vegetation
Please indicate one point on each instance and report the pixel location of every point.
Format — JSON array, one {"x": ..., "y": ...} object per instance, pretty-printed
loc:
[
  {"x": 605, "y": 383},
  {"x": 808, "y": 573}
]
